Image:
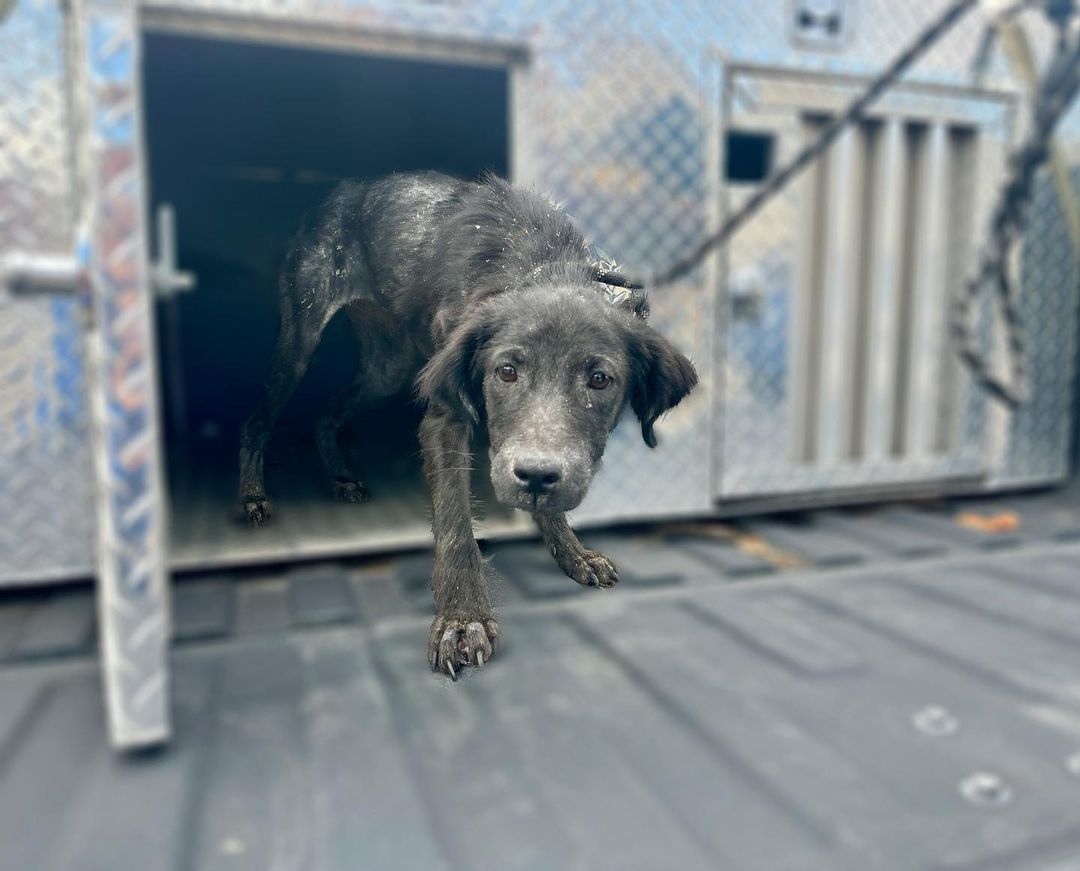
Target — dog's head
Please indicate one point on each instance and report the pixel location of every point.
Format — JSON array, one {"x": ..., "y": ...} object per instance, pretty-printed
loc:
[{"x": 550, "y": 370}]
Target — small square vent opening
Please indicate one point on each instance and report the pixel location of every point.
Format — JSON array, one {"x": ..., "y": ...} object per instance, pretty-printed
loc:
[{"x": 749, "y": 156}]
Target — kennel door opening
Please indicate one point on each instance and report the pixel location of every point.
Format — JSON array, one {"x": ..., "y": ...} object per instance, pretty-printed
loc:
[
  {"x": 244, "y": 138},
  {"x": 838, "y": 371}
]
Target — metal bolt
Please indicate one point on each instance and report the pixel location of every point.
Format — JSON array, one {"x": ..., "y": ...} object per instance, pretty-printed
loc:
[
  {"x": 936, "y": 721},
  {"x": 233, "y": 847},
  {"x": 985, "y": 789}
]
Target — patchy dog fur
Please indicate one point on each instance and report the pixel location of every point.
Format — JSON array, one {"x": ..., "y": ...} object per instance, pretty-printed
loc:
[{"x": 485, "y": 295}]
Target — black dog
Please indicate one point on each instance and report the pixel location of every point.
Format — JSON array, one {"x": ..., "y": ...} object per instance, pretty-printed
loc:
[{"x": 488, "y": 293}]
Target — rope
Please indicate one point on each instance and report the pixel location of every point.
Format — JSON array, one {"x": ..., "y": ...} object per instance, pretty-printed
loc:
[
  {"x": 1059, "y": 88},
  {"x": 1017, "y": 49}
]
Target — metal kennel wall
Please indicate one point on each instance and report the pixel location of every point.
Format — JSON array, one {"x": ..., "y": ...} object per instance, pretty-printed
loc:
[{"x": 629, "y": 113}]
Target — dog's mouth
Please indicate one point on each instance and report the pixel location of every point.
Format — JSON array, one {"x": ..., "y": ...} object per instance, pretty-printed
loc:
[
  {"x": 535, "y": 502},
  {"x": 545, "y": 503}
]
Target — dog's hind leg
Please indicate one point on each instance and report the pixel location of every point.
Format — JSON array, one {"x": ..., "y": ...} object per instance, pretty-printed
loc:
[
  {"x": 297, "y": 339},
  {"x": 588, "y": 567},
  {"x": 386, "y": 368},
  {"x": 345, "y": 406}
]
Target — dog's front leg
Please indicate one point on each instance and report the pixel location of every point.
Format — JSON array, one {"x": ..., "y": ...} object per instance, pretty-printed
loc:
[
  {"x": 588, "y": 567},
  {"x": 464, "y": 631}
]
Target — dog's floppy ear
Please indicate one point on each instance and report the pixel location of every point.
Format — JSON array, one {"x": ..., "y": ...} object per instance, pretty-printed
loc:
[
  {"x": 662, "y": 378},
  {"x": 449, "y": 378}
]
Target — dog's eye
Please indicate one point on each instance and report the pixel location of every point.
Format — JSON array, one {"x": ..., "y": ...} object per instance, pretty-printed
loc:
[
  {"x": 599, "y": 380},
  {"x": 507, "y": 373}
]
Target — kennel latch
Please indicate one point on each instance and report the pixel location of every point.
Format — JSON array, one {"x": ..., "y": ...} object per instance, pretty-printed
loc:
[
  {"x": 25, "y": 274},
  {"x": 167, "y": 280}
]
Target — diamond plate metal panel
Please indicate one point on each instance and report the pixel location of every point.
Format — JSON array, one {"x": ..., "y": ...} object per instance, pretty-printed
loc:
[
  {"x": 45, "y": 493},
  {"x": 45, "y": 496},
  {"x": 131, "y": 546}
]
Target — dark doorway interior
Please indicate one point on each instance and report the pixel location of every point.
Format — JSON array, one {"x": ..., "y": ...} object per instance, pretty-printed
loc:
[{"x": 243, "y": 139}]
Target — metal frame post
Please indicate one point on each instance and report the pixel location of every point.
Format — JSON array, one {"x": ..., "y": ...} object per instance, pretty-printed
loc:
[{"x": 112, "y": 250}]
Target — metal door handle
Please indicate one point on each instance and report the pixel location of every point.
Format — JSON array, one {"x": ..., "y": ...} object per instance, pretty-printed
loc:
[{"x": 24, "y": 274}]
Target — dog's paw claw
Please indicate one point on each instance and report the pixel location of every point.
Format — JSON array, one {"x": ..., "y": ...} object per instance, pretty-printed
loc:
[
  {"x": 256, "y": 511},
  {"x": 354, "y": 492},
  {"x": 454, "y": 643},
  {"x": 595, "y": 570}
]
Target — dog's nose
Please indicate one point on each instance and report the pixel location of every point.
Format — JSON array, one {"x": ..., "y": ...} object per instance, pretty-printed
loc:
[{"x": 537, "y": 476}]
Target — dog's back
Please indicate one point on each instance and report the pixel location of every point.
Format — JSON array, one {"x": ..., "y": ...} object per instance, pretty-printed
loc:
[
  {"x": 424, "y": 245},
  {"x": 369, "y": 240}
]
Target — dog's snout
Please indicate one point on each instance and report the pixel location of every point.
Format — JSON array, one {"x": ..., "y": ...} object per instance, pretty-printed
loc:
[
  {"x": 537, "y": 475},
  {"x": 540, "y": 480}
]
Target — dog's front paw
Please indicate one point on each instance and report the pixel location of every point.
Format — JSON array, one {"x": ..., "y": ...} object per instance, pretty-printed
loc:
[
  {"x": 593, "y": 569},
  {"x": 347, "y": 490},
  {"x": 455, "y": 642},
  {"x": 255, "y": 510}
]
